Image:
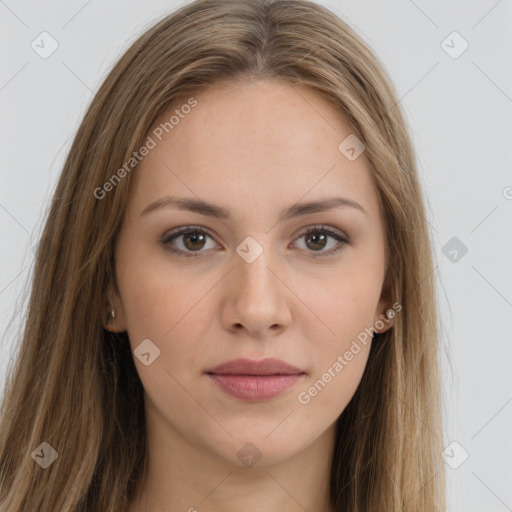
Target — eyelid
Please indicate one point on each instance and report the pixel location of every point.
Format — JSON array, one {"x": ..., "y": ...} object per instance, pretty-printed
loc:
[
  {"x": 176, "y": 233},
  {"x": 343, "y": 240}
]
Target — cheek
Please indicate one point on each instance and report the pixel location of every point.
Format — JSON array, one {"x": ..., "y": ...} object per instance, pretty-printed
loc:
[
  {"x": 326, "y": 394},
  {"x": 161, "y": 305},
  {"x": 167, "y": 306},
  {"x": 339, "y": 364},
  {"x": 346, "y": 309},
  {"x": 152, "y": 294},
  {"x": 346, "y": 306}
]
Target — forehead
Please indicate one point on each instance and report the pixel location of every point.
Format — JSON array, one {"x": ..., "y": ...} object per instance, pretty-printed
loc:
[{"x": 240, "y": 142}]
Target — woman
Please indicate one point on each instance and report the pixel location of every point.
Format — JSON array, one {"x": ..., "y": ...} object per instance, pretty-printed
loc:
[{"x": 233, "y": 302}]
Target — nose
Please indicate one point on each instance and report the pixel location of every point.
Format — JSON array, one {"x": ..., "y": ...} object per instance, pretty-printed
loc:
[{"x": 257, "y": 298}]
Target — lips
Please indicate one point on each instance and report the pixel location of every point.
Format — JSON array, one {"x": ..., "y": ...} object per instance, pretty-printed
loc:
[
  {"x": 269, "y": 366},
  {"x": 255, "y": 381}
]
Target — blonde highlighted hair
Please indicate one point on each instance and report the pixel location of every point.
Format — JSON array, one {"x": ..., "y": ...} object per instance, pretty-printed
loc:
[{"x": 75, "y": 386}]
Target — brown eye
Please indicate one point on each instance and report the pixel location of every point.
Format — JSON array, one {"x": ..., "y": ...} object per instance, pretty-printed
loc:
[
  {"x": 193, "y": 240},
  {"x": 317, "y": 239}
]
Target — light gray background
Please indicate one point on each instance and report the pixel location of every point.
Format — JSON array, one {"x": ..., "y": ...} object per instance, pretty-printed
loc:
[{"x": 460, "y": 112}]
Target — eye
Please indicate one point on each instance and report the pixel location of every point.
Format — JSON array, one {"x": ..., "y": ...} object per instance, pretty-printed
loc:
[
  {"x": 317, "y": 238},
  {"x": 194, "y": 239}
]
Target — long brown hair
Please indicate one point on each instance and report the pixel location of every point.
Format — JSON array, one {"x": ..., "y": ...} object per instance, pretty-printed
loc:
[{"x": 74, "y": 386}]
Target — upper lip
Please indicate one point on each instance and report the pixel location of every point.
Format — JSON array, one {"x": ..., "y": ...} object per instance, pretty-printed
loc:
[{"x": 269, "y": 366}]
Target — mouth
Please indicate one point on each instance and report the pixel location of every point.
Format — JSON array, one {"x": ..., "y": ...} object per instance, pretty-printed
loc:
[{"x": 255, "y": 381}]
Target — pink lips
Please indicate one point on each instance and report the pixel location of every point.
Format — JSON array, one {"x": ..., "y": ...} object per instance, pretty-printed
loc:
[{"x": 255, "y": 381}]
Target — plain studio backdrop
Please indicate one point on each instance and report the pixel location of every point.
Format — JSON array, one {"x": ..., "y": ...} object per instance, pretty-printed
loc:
[{"x": 450, "y": 63}]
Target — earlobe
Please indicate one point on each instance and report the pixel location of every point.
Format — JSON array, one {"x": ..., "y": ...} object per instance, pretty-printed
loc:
[
  {"x": 110, "y": 320},
  {"x": 113, "y": 317},
  {"x": 384, "y": 321},
  {"x": 114, "y": 321},
  {"x": 384, "y": 317}
]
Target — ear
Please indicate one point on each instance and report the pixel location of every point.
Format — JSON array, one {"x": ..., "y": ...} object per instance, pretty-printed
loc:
[
  {"x": 116, "y": 323},
  {"x": 386, "y": 308}
]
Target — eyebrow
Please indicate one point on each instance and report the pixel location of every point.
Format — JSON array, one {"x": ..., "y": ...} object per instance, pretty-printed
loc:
[{"x": 212, "y": 210}]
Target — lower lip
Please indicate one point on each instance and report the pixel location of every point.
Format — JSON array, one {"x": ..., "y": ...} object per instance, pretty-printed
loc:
[{"x": 255, "y": 388}]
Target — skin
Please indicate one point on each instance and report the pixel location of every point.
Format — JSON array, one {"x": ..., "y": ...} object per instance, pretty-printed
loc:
[{"x": 278, "y": 146}]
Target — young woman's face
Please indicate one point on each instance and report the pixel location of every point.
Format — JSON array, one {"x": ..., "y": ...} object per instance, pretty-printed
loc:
[{"x": 250, "y": 283}]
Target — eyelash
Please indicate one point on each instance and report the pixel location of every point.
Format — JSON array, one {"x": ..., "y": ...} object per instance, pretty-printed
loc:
[{"x": 188, "y": 254}]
